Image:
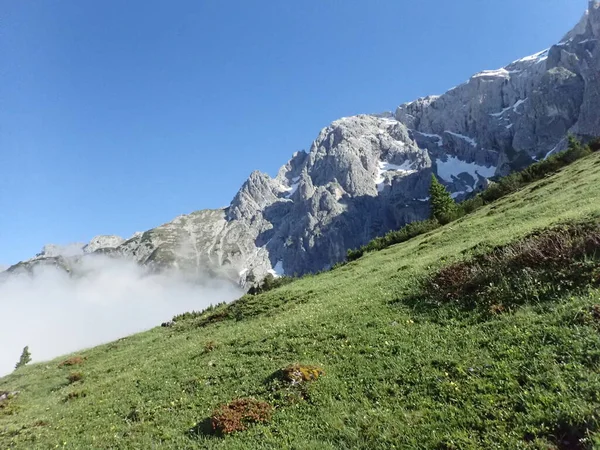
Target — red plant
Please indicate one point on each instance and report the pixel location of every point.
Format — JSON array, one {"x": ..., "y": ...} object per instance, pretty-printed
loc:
[
  {"x": 73, "y": 361},
  {"x": 237, "y": 415}
]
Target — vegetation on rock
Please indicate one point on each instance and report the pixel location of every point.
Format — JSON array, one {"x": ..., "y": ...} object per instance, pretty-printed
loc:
[{"x": 298, "y": 373}]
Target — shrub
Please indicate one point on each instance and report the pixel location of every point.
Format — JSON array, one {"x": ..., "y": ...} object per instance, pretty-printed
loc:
[
  {"x": 75, "y": 395},
  {"x": 542, "y": 266},
  {"x": 404, "y": 234},
  {"x": 291, "y": 384},
  {"x": 297, "y": 373},
  {"x": 7, "y": 406},
  {"x": 472, "y": 204},
  {"x": 594, "y": 145},
  {"x": 74, "y": 377},
  {"x": 73, "y": 361},
  {"x": 269, "y": 283},
  {"x": 195, "y": 314},
  {"x": 239, "y": 414},
  {"x": 40, "y": 423},
  {"x": 210, "y": 346}
]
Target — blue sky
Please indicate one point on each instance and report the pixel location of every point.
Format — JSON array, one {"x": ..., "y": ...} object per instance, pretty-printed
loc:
[{"x": 118, "y": 116}]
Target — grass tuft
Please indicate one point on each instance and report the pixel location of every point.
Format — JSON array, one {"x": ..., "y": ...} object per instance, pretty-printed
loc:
[
  {"x": 74, "y": 377},
  {"x": 74, "y": 395}
]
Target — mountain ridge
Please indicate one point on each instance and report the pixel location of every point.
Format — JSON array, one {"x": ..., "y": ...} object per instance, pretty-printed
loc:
[{"x": 367, "y": 174}]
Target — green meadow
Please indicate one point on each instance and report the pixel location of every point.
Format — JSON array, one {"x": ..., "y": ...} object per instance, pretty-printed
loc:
[{"x": 397, "y": 372}]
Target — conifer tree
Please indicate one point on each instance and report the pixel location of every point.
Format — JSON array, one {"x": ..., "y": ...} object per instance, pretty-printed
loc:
[
  {"x": 443, "y": 206},
  {"x": 576, "y": 150},
  {"x": 25, "y": 358}
]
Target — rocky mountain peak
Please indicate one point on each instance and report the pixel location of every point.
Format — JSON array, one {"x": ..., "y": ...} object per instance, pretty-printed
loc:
[
  {"x": 368, "y": 174},
  {"x": 103, "y": 242},
  {"x": 68, "y": 250}
]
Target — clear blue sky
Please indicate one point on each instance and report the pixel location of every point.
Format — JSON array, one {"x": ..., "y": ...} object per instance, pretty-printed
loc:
[{"x": 117, "y": 116}]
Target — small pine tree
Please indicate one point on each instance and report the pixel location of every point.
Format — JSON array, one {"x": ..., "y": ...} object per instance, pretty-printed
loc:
[
  {"x": 25, "y": 358},
  {"x": 443, "y": 206},
  {"x": 574, "y": 144},
  {"x": 576, "y": 150}
]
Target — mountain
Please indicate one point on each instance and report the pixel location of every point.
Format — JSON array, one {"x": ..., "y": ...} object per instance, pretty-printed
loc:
[
  {"x": 367, "y": 174},
  {"x": 67, "y": 256}
]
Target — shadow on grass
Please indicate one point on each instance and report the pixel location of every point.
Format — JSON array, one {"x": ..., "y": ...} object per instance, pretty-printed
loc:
[{"x": 203, "y": 429}]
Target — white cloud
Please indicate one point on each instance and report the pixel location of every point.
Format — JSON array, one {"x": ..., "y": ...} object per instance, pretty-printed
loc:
[{"x": 55, "y": 313}]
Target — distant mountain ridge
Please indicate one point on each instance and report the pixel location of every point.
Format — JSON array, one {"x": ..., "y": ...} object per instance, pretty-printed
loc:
[{"x": 367, "y": 174}]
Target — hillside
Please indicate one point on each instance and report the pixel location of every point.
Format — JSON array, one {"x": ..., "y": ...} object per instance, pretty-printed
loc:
[
  {"x": 378, "y": 166},
  {"x": 399, "y": 371}
]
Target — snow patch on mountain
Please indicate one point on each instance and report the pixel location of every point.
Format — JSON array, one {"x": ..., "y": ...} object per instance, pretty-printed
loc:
[
  {"x": 406, "y": 168},
  {"x": 508, "y": 108},
  {"x": 502, "y": 73},
  {"x": 536, "y": 57},
  {"x": 450, "y": 169},
  {"x": 468, "y": 139},
  {"x": 291, "y": 190}
]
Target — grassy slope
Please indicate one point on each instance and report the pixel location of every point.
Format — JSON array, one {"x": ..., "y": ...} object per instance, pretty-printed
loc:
[{"x": 395, "y": 377}]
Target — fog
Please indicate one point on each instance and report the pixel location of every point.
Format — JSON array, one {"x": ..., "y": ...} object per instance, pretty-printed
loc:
[{"x": 54, "y": 313}]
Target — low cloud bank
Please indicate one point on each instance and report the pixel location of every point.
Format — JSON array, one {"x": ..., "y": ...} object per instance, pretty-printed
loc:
[{"x": 54, "y": 313}]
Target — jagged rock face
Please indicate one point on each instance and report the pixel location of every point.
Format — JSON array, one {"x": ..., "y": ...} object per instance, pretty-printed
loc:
[
  {"x": 80, "y": 249},
  {"x": 103, "y": 242},
  {"x": 509, "y": 117},
  {"x": 66, "y": 256},
  {"x": 53, "y": 251},
  {"x": 368, "y": 174}
]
